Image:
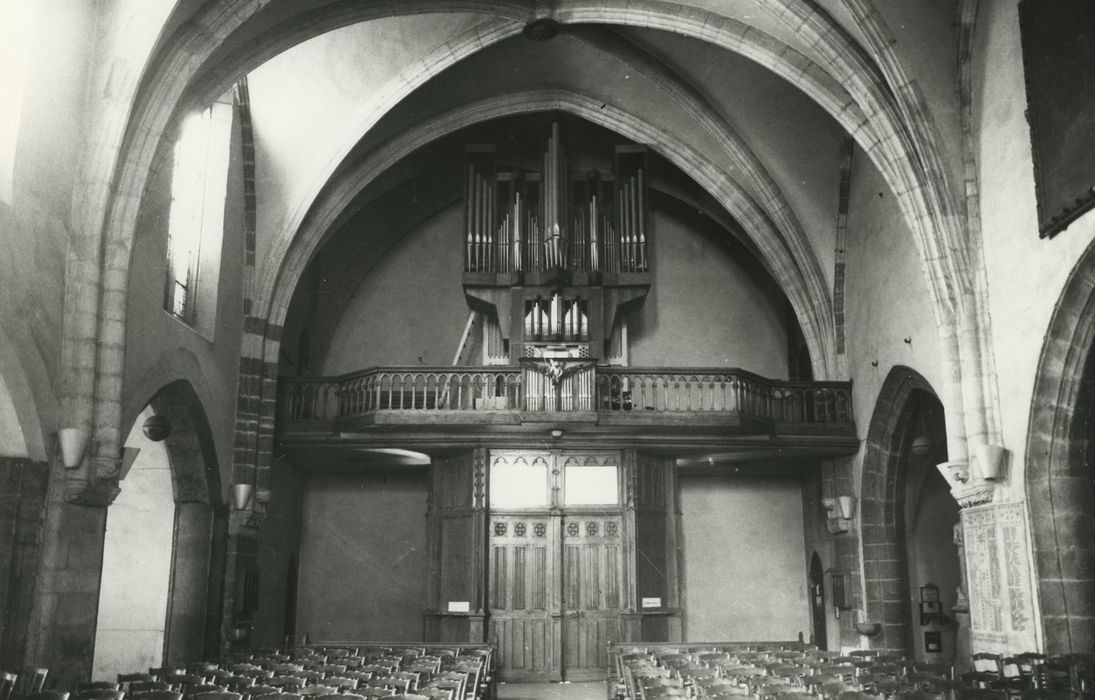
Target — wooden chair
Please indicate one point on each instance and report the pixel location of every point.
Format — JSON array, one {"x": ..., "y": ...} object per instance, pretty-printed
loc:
[
  {"x": 286, "y": 669},
  {"x": 156, "y": 695},
  {"x": 162, "y": 672},
  {"x": 206, "y": 688},
  {"x": 255, "y": 691},
  {"x": 373, "y": 691},
  {"x": 236, "y": 683},
  {"x": 919, "y": 695},
  {"x": 337, "y": 696},
  {"x": 327, "y": 669},
  {"x": 7, "y": 685},
  {"x": 127, "y": 679},
  {"x": 99, "y": 694},
  {"x": 259, "y": 674},
  {"x": 185, "y": 681},
  {"x": 316, "y": 690},
  {"x": 46, "y": 695},
  {"x": 984, "y": 662},
  {"x": 289, "y": 684},
  {"x": 96, "y": 685},
  {"x": 217, "y": 695},
  {"x": 147, "y": 686},
  {"x": 1053, "y": 674},
  {"x": 31, "y": 681},
  {"x": 343, "y": 683}
]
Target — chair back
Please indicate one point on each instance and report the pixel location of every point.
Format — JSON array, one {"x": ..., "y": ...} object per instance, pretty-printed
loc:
[
  {"x": 156, "y": 695},
  {"x": 7, "y": 685},
  {"x": 343, "y": 683},
  {"x": 255, "y": 691},
  {"x": 31, "y": 681},
  {"x": 315, "y": 690},
  {"x": 206, "y": 688},
  {"x": 46, "y": 695},
  {"x": 162, "y": 672},
  {"x": 99, "y": 694},
  {"x": 96, "y": 685},
  {"x": 216, "y": 695}
]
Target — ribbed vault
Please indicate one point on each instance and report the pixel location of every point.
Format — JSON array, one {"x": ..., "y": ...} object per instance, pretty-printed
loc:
[{"x": 207, "y": 50}]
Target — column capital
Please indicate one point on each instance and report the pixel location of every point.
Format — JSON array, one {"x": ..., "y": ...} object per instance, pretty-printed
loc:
[{"x": 967, "y": 489}]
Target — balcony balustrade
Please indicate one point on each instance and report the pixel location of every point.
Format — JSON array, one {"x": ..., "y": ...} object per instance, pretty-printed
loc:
[{"x": 615, "y": 394}]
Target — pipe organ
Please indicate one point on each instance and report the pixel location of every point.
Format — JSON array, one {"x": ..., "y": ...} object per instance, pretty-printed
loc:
[
  {"x": 554, "y": 256},
  {"x": 520, "y": 220}
]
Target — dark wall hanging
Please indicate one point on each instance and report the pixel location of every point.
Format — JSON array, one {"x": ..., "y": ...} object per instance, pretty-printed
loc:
[{"x": 1058, "y": 55}]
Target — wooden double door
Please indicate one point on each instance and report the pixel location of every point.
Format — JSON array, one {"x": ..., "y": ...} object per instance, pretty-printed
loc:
[{"x": 557, "y": 587}]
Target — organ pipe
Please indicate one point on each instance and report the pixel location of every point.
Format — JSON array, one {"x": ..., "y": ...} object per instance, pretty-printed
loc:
[{"x": 555, "y": 219}]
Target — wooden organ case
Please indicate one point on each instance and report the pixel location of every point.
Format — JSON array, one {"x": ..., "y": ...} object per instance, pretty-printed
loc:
[{"x": 553, "y": 257}]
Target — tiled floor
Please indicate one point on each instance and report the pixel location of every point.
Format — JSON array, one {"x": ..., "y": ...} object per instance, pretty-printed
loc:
[{"x": 552, "y": 691}]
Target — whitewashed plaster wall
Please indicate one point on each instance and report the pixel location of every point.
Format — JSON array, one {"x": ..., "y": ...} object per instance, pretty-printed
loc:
[
  {"x": 307, "y": 105},
  {"x": 1026, "y": 274}
]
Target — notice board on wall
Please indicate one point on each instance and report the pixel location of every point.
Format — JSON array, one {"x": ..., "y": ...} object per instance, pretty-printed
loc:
[{"x": 1058, "y": 54}]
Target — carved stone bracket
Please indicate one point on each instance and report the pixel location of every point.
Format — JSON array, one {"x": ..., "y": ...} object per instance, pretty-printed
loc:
[{"x": 967, "y": 490}]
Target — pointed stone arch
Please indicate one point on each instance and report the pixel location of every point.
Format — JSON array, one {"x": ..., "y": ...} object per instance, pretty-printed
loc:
[
  {"x": 195, "y": 535},
  {"x": 881, "y": 507},
  {"x": 1060, "y": 476}
]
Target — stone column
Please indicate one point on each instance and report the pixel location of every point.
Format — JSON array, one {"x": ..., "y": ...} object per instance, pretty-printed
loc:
[
  {"x": 63, "y": 621},
  {"x": 995, "y": 551},
  {"x": 23, "y": 486}
]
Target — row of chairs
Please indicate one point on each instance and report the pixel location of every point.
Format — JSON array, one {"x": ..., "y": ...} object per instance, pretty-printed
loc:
[
  {"x": 778, "y": 671},
  {"x": 359, "y": 672}
]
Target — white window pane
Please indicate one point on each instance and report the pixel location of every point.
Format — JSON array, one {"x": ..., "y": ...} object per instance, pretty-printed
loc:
[
  {"x": 587, "y": 486},
  {"x": 521, "y": 486}
]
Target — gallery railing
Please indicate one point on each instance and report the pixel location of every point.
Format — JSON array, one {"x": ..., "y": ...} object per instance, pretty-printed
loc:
[{"x": 607, "y": 390}]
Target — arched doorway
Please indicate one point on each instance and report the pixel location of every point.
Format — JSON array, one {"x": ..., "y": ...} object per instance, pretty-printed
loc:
[
  {"x": 908, "y": 519},
  {"x": 163, "y": 557},
  {"x": 931, "y": 515},
  {"x": 1060, "y": 467}
]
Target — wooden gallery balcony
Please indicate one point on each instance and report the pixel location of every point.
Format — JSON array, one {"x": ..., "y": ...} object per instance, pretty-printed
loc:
[{"x": 469, "y": 405}]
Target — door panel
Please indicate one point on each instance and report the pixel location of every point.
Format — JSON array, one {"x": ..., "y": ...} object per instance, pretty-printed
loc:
[
  {"x": 592, "y": 584},
  {"x": 523, "y": 618}
]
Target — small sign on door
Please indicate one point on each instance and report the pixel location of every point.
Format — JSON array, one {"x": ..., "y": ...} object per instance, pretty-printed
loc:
[
  {"x": 459, "y": 606},
  {"x": 652, "y": 602}
]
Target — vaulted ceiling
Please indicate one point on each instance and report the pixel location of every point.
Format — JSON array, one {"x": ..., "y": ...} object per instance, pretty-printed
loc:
[{"x": 752, "y": 99}]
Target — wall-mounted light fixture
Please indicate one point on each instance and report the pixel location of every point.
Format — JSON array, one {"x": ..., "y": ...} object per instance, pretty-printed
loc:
[
  {"x": 73, "y": 442},
  {"x": 241, "y": 495},
  {"x": 988, "y": 460},
  {"x": 839, "y": 513}
]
